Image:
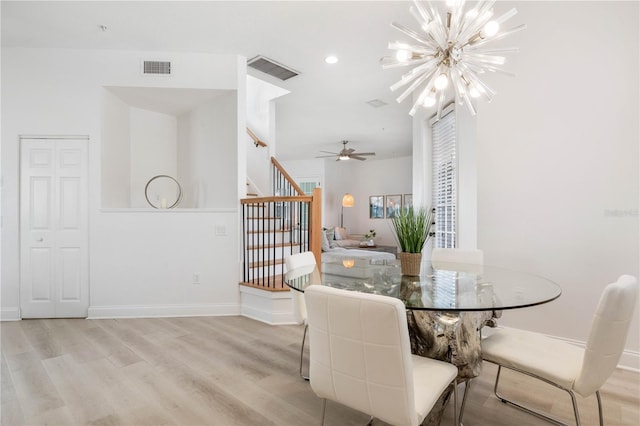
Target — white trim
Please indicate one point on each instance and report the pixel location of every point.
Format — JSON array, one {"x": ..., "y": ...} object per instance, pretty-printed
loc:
[
  {"x": 10, "y": 314},
  {"x": 151, "y": 311},
  {"x": 72, "y": 137},
  {"x": 270, "y": 307},
  {"x": 178, "y": 210}
]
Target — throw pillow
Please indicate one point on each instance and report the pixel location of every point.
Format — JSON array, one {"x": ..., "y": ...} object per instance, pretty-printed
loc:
[
  {"x": 340, "y": 233},
  {"x": 325, "y": 242}
]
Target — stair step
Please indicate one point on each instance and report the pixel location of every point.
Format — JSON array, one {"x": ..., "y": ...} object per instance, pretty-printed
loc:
[
  {"x": 275, "y": 282},
  {"x": 268, "y": 246},
  {"x": 268, "y": 262},
  {"x": 263, "y": 218},
  {"x": 270, "y": 231}
]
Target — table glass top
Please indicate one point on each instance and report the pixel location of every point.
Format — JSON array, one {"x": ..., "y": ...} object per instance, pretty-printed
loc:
[{"x": 440, "y": 287}]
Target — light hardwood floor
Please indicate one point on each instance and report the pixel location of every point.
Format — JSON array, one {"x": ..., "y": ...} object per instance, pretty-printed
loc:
[{"x": 217, "y": 371}]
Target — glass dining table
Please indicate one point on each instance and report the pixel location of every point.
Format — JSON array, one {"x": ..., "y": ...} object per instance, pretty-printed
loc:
[{"x": 447, "y": 305}]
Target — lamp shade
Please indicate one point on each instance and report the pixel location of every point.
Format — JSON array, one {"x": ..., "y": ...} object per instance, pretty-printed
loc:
[{"x": 347, "y": 200}]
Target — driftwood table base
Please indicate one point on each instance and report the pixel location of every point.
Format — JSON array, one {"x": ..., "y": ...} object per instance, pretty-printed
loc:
[{"x": 451, "y": 337}]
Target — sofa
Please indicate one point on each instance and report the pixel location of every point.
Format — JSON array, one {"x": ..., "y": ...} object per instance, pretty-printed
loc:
[
  {"x": 337, "y": 245},
  {"x": 337, "y": 237}
]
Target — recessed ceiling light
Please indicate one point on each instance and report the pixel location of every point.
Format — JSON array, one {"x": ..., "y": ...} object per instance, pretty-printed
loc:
[{"x": 331, "y": 59}]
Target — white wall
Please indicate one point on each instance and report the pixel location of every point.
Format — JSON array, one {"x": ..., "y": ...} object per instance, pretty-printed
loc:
[
  {"x": 59, "y": 92},
  {"x": 116, "y": 152},
  {"x": 207, "y": 142},
  {"x": 261, "y": 119},
  {"x": 558, "y": 156},
  {"x": 145, "y": 263},
  {"x": 154, "y": 146},
  {"x": 557, "y": 160}
]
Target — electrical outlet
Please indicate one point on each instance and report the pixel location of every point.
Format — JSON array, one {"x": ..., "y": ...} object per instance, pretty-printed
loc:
[{"x": 196, "y": 278}]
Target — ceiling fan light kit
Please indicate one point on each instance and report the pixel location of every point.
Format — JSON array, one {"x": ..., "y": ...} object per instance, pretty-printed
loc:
[
  {"x": 347, "y": 154},
  {"x": 449, "y": 51}
]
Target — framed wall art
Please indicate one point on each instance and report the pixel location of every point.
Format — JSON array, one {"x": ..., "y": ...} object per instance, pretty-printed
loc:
[
  {"x": 393, "y": 205},
  {"x": 407, "y": 201},
  {"x": 376, "y": 206}
]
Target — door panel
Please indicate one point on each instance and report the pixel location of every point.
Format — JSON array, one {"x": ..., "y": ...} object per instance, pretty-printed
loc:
[
  {"x": 71, "y": 274},
  {"x": 41, "y": 282},
  {"x": 40, "y": 200},
  {"x": 54, "y": 228},
  {"x": 70, "y": 203}
]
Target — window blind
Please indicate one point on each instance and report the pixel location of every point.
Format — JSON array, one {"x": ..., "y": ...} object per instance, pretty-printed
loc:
[
  {"x": 307, "y": 185},
  {"x": 445, "y": 177}
]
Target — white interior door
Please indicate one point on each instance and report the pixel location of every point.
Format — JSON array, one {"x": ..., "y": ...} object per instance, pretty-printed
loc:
[{"x": 54, "y": 258}]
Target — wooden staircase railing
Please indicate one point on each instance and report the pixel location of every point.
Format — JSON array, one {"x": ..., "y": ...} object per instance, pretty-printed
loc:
[
  {"x": 256, "y": 140},
  {"x": 282, "y": 183},
  {"x": 277, "y": 226}
]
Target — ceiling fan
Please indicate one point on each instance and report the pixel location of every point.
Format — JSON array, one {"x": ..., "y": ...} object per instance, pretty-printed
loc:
[{"x": 347, "y": 153}]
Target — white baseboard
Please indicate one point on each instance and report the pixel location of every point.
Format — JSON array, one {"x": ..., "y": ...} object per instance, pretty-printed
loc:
[
  {"x": 151, "y": 311},
  {"x": 629, "y": 360},
  {"x": 10, "y": 314}
]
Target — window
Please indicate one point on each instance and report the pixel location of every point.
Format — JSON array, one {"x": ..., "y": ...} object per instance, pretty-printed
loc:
[
  {"x": 307, "y": 185},
  {"x": 445, "y": 178}
]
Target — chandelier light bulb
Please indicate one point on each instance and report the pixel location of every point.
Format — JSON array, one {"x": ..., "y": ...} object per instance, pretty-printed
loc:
[
  {"x": 441, "y": 82},
  {"x": 403, "y": 55},
  {"x": 447, "y": 53},
  {"x": 490, "y": 29}
]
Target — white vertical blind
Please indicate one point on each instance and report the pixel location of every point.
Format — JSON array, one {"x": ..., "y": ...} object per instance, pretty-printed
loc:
[
  {"x": 445, "y": 179},
  {"x": 307, "y": 185}
]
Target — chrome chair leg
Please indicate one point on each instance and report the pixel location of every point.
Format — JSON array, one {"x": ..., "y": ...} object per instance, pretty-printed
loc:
[
  {"x": 324, "y": 407},
  {"x": 538, "y": 414},
  {"x": 600, "y": 415},
  {"x": 370, "y": 422},
  {"x": 304, "y": 335},
  {"x": 467, "y": 383},
  {"x": 456, "y": 420}
]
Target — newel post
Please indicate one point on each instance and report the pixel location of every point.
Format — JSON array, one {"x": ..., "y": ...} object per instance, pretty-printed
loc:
[{"x": 315, "y": 226}]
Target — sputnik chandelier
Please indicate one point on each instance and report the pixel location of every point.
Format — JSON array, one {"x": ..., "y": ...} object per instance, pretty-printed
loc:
[{"x": 450, "y": 52}]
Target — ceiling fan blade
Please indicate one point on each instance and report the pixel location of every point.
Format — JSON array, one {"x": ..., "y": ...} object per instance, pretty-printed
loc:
[
  {"x": 363, "y": 153},
  {"x": 355, "y": 157},
  {"x": 329, "y": 152},
  {"x": 325, "y": 156},
  {"x": 350, "y": 151}
]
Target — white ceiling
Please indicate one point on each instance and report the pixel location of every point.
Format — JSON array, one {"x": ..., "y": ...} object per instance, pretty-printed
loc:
[{"x": 327, "y": 103}]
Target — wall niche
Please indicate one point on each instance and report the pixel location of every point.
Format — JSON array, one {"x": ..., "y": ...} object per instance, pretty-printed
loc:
[{"x": 188, "y": 134}]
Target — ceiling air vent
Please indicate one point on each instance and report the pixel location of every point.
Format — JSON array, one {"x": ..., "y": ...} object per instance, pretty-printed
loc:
[
  {"x": 271, "y": 67},
  {"x": 156, "y": 67}
]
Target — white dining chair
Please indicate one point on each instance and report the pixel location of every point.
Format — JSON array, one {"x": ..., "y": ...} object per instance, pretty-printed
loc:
[
  {"x": 293, "y": 261},
  {"x": 361, "y": 357},
  {"x": 566, "y": 366}
]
